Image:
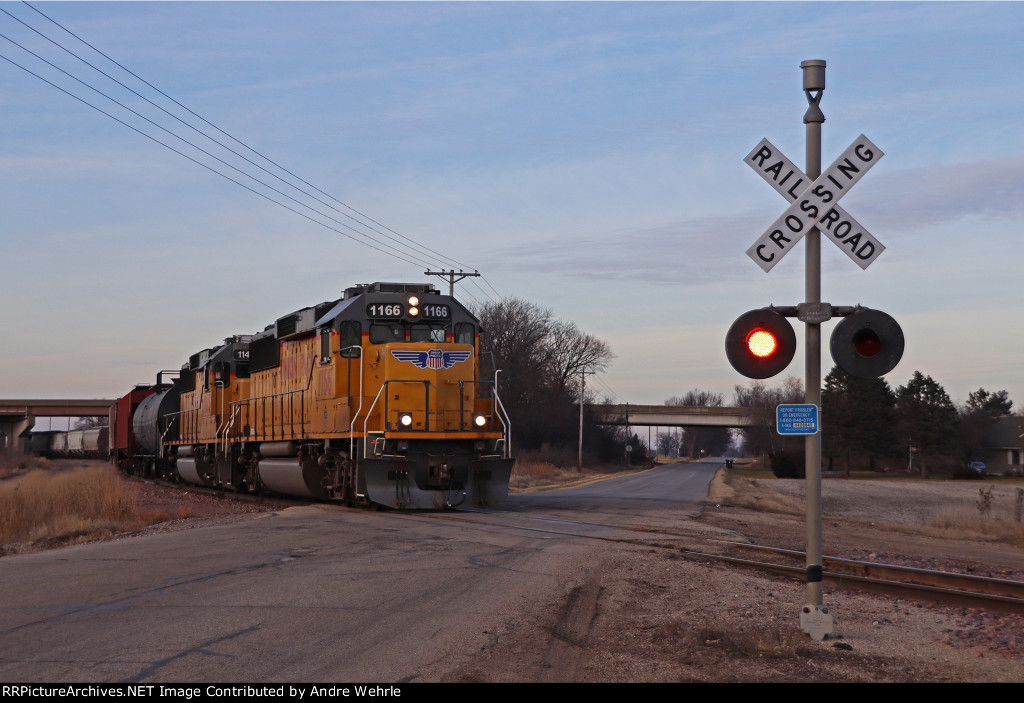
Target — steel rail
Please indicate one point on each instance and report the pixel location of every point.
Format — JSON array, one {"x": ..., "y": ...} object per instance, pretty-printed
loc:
[
  {"x": 906, "y": 582},
  {"x": 927, "y": 577}
]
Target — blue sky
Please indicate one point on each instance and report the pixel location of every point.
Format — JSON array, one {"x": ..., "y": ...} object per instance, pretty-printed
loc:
[{"x": 585, "y": 156}]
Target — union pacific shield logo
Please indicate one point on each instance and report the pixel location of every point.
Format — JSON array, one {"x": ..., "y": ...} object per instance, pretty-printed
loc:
[{"x": 432, "y": 358}]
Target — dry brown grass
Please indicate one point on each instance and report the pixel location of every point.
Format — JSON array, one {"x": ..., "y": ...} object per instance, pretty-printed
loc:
[
  {"x": 15, "y": 464},
  {"x": 986, "y": 513},
  {"x": 997, "y": 525},
  {"x": 74, "y": 506},
  {"x": 741, "y": 491}
]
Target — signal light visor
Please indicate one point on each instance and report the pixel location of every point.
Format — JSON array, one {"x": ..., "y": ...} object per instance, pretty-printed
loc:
[{"x": 867, "y": 343}]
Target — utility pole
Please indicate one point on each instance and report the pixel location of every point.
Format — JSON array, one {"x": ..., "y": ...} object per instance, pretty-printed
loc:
[
  {"x": 451, "y": 276},
  {"x": 583, "y": 385}
]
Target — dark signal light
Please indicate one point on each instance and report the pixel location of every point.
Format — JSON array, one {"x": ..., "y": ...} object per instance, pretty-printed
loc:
[
  {"x": 867, "y": 343},
  {"x": 760, "y": 343}
]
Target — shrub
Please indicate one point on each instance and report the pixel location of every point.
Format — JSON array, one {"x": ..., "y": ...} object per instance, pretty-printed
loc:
[{"x": 788, "y": 465}]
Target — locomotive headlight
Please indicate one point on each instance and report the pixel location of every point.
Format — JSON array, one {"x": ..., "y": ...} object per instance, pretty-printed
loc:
[
  {"x": 413, "y": 312},
  {"x": 405, "y": 419},
  {"x": 479, "y": 420},
  {"x": 413, "y": 301}
]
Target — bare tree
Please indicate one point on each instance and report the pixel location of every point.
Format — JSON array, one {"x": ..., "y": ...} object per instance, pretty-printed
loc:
[
  {"x": 541, "y": 359},
  {"x": 570, "y": 351},
  {"x": 89, "y": 422},
  {"x": 761, "y": 438},
  {"x": 712, "y": 440}
]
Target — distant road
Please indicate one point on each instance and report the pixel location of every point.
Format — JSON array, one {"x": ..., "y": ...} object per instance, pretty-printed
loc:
[{"x": 672, "y": 485}]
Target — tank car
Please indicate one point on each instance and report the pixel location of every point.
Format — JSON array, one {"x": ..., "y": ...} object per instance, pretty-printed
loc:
[{"x": 372, "y": 398}]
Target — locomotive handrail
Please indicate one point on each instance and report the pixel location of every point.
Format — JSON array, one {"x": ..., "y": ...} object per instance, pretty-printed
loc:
[
  {"x": 170, "y": 424},
  {"x": 273, "y": 410},
  {"x": 506, "y": 428},
  {"x": 352, "y": 425},
  {"x": 506, "y": 425},
  {"x": 366, "y": 420},
  {"x": 223, "y": 424},
  {"x": 228, "y": 424},
  {"x": 182, "y": 428}
]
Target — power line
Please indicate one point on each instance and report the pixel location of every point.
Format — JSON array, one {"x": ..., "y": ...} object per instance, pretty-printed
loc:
[
  {"x": 408, "y": 253},
  {"x": 195, "y": 161},
  {"x": 194, "y": 146},
  {"x": 604, "y": 385},
  {"x": 226, "y": 134}
]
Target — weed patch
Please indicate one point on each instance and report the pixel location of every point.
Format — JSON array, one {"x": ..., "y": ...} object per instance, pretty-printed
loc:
[{"x": 75, "y": 506}]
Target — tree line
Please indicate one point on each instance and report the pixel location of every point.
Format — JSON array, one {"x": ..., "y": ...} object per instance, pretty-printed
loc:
[
  {"x": 542, "y": 363},
  {"x": 867, "y": 422}
]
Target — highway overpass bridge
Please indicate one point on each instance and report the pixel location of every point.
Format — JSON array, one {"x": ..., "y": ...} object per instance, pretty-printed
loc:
[
  {"x": 673, "y": 416},
  {"x": 17, "y": 416}
]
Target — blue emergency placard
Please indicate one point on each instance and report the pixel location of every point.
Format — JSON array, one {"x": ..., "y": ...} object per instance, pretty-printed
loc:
[{"x": 796, "y": 419}]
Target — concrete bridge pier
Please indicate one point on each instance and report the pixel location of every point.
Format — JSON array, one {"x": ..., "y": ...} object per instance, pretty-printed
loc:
[{"x": 11, "y": 428}]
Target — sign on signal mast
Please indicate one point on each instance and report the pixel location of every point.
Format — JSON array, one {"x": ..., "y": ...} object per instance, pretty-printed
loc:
[
  {"x": 796, "y": 419},
  {"x": 814, "y": 204}
]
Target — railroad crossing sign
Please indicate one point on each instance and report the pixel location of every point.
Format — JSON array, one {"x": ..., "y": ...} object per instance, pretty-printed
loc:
[{"x": 814, "y": 203}]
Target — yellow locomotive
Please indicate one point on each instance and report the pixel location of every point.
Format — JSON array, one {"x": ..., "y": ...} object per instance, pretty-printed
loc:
[{"x": 375, "y": 397}]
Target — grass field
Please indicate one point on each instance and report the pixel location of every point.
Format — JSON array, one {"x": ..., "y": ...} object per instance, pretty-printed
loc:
[{"x": 64, "y": 507}]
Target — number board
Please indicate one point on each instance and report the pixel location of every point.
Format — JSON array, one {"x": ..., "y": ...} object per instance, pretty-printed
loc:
[
  {"x": 390, "y": 311},
  {"x": 436, "y": 312}
]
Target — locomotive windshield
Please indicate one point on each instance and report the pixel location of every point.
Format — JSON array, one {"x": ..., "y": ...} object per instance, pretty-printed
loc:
[{"x": 385, "y": 332}]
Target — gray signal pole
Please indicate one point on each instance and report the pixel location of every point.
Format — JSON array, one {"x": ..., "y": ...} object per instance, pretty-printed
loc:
[{"x": 814, "y": 616}]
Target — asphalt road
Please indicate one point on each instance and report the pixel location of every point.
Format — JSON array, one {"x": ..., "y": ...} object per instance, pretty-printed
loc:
[{"x": 314, "y": 593}]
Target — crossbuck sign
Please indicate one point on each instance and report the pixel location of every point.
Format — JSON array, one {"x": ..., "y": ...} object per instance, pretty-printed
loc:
[{"x": 814, "y": 204}]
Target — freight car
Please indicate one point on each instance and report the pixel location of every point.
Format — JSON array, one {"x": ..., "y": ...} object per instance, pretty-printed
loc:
[
  {"x": 60, "y": 444},
  {"x": 372, "y": 398}
]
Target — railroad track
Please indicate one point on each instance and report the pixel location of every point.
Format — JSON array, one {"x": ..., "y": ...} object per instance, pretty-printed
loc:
[
  {"x": 945, "y": 587},
  {"x": 1001, "y": 595},
  {"x": 948, "y": 588}
]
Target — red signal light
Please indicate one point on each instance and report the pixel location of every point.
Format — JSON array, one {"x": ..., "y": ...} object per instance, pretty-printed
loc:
[{"x": 760, "y": 343}]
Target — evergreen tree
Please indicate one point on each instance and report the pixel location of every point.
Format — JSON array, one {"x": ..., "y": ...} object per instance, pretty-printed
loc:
[
  {"x": 926, "y": 418},
  {"x": 858, "y": 418},
  {"x": 977, "y": 418}
]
